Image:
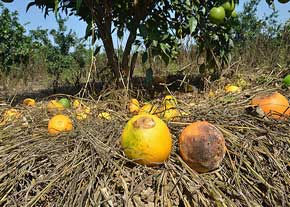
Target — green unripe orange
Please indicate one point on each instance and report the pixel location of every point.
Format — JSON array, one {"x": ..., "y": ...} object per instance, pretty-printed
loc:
[
  {"x": 65, "y": 102},
  {"x": 217, "y": 15},
  {"x": 234, "y": 14},
  {"x": 286, "y": 80}
]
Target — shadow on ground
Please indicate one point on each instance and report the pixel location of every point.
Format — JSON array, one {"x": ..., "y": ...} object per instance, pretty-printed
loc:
[{"x": 159, "y": 85}]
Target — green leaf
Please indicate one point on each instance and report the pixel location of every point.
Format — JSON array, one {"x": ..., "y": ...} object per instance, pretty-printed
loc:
[
  {"x": 97, "y": 50},
  {"x": 215, "y": 37},
  {"x": 164, "y": 48},
  {"x": 88, "y": 31},
  {"x": 192, "y": 24}
]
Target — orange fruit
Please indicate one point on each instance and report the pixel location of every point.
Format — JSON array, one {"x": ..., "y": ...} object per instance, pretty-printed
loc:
[
  {"x": 54, "y": 106},
  {"x": 234, "y": 14},
  {"x": 229, "y": 7},
  {"x": 105, "y": 115},
  {"x": 217, "y": 15},
  {"x": 146, "y": 139},
  {"x": 232, "y": 89},
  {"x": 286, "y": 80},
  {"x": 202, "y": 146},
  {"x": 29, "y": 102},
  {"x": 65, "y": 102},
  {"x": 59, "y": 123},
  {"x": 275, "y": 105},
  {"x": 147, "y": 109},
  {"x": 134, "y": 106},
  {"x": 169, "y": 101},
  {"x": 10, "y": 115}
]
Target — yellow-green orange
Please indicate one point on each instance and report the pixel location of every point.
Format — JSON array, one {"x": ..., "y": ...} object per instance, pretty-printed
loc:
[
  {"x": 65, "y": 102},
  {"x": 234, "y": 14},
  {"x": 146, "y": 139},
  {"x": 217, "y": 15},
  {"x": 229, "y": 6},
  {"x": 286, "y": 80},
  {"x": 29, "y": 102},
  {"x": 232, "y": 89}
]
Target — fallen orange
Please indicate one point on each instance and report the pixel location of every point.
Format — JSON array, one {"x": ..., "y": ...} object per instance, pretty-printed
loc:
[
  {"x": 134, "y": 106},
  {"x": 59, "y": 123},
  {"x": 274, "y": 105},
  {"x": 29, "y": 102},
  {"x": 146, "y": 139},
  {"x": 53, "y": 105},
  {"x": 202, "y": 146}
]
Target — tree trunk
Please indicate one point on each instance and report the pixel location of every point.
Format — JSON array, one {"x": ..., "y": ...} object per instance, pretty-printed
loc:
[
  {"x": 103, "y": 20},
  {"x": 141, "y": 10},
  {"x": 102, "y": 13}
]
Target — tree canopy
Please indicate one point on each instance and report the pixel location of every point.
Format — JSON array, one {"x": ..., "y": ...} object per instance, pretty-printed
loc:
[{"x": 155, "y": 26}]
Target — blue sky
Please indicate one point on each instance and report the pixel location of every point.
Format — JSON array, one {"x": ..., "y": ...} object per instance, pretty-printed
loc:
[{"x": 35, "y": 17}]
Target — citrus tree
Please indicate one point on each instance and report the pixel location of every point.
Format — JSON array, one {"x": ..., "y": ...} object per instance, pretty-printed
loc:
[
  {"x": 157, "y": 25},
  {"x": 15, "y": 46},
  {"x": 64, "y": 58}
]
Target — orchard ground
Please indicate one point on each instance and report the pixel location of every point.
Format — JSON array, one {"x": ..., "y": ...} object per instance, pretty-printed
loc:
[{"x": 87, "y": 166}]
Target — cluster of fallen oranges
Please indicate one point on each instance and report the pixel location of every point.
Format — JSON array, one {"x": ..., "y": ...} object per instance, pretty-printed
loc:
[
  {"x": 167, "y": 111},
  {"x": 146, "y": 138},
  {"x": 59, "y": 122}
]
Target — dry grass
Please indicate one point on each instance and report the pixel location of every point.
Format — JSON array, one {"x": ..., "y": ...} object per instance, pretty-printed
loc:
[{"x": 88, "y": 168}]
